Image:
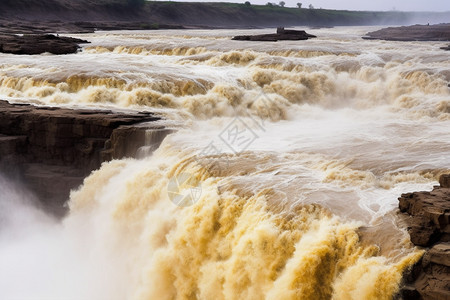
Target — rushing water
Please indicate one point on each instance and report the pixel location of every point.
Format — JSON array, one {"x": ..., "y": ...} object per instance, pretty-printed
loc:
[{"x": 294, "y": 153}]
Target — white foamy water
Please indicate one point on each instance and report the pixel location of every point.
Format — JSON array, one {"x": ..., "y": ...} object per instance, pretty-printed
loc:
[{"x": 300, "y": 148}]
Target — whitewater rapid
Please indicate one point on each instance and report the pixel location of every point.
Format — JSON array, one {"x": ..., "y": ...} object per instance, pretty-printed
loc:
[{"x": 294, "y": 155}]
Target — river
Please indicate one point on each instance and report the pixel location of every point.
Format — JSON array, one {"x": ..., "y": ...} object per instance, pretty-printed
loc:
[{"x": 280, "y": 181}]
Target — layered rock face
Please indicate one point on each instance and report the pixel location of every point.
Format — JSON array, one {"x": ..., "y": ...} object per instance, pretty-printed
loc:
[
  {"x": 429, "y": 226},
  {"x": 53, "y": 149}
]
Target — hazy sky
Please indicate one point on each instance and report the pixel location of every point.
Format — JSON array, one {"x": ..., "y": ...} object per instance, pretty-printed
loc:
[{"x": 404, "y": 5}]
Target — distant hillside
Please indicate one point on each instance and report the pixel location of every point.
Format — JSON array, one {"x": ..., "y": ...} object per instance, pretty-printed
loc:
[
  {"x": 201, "y": 14},
  {"x": 71, "y": 10},
  {"x": 234, "y": 14}
]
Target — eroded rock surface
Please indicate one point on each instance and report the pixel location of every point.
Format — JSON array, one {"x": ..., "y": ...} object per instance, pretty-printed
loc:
[
  {"x": 430, "y": 214},
  {"x": 54, "y": 149},
  {"x": 428, "y": 218}
]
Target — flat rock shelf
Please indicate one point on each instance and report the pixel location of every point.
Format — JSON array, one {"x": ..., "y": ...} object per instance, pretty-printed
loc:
[
  {"x": 32, "y": 44},
  {"x": 438, "y": 32},
  {"x": 281, "y": 35}
]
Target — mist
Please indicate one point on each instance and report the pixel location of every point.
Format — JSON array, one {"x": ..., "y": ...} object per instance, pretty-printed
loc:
[{"x": 45, "y": 258}]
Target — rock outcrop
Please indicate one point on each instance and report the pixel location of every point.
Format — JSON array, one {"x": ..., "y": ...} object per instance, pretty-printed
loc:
[
  {"x": 430, "y": 215},
  {"x": 32, "y": 44},
  {"x": 53, "y": 149},
  {"x": 438, "y": 32},
  {"x": 281, "y": 35},
  {"x": 428, "y": 219}
]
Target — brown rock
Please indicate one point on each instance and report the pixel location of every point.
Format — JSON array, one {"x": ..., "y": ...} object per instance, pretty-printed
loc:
[
  {"x": 53, "y": 149},
  {"x": 428, "y": 219},
  {"x": 128, "y": 141},
  {"x": 444, "y": 181},
  {"x": 281, "y": 35},
  {"x": 434, "y": 281},
  {"x": 409, "y": 292},
  {"x": 430, "y": 215},
  {"x": 439, "y": 254},
  {"x": 38, "y": 43}
]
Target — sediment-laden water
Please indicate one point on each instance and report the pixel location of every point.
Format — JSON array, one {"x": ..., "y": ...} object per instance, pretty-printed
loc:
[{"x": 281, "y": 181}]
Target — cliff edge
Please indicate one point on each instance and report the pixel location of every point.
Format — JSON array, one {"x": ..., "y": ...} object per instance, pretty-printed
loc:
[
  {"x": 53, "y": 149},
  {"x": 428, "y": 218}
]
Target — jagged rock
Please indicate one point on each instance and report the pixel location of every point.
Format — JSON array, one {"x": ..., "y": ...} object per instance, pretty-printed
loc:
[
  {"x": 38, "y": 43},
  {"x": 430, "y": 214},
  {"x": 53, "y": 149},
  {"x": 429, "y": 225},
  {"x": 281, "y": 35},
  {"x": 439, "y": 254}
]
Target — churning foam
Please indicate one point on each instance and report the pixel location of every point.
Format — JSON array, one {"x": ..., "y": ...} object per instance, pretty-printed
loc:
[
  {"x": 225, "y": 246},
  {"x": 215, "y": 79}
]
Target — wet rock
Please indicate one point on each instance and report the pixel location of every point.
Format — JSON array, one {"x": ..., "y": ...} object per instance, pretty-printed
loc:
[
  {"x": 32, "y": 44},
  {"x": 429, "y": 214},
  {"x": 428, "y": 218},
  {"x": 127, "y": 141},
  {"x": 434, "y": 280},
  {"x": 281, "y": 35},
  {"x": 438, "y": 32},
  {"x": 444, "y": 181},
  {"x": 409, "y": 292},
  {"x": 53, "y": 149}
]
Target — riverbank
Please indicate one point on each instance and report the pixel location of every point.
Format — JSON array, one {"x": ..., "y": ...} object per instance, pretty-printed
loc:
[{"x": 438, "y": 32}]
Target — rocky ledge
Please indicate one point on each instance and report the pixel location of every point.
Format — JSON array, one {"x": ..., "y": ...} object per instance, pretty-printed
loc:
[
  {"x": 53, "y": 149},
  {"x": 38, "y": 43},
  {"x": 281, "y": 35},
  {"x": 428, "y": 218},
  {"x": 438, "y": 32}
]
